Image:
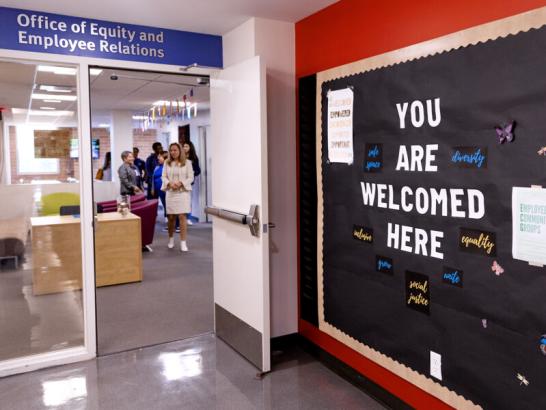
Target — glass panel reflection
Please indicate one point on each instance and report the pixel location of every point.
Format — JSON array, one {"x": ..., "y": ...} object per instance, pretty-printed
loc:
[{"x": 40, "y": 247}]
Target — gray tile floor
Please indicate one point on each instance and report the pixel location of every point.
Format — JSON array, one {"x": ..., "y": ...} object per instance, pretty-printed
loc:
[
  {"x": 196, "y": 373},
  {"x": 174, "y": 300}
]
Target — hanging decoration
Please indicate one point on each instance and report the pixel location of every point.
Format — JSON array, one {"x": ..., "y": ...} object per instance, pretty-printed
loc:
[{"x": 164, "y": 111}]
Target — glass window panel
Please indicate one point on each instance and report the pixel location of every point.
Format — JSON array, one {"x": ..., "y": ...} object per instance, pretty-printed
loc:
[{"x": 41, "y": 306}]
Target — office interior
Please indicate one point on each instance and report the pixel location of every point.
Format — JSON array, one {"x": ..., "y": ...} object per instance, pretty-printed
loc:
[
  {"x": 170, "y": 294},
  {"x": 139, "y": 279}
]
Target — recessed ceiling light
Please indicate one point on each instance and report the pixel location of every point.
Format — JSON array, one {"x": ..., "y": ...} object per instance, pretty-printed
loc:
[
  {"x": 47, "y": 108},
  {"x": 52, "y": 113},
  {"x": 140, "y": 117},
  {"x": 55, "y": 88},
  {"x": 37, "y": 96},
  {"x": 52, "y": 101},
  {"x": 95, "y": 71},
  {"x": 104, "y": 125},
  {"x": 57, "y": 70}
]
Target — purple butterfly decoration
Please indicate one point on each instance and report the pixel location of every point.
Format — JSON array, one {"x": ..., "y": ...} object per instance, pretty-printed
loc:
[{"x": 505, "y": 132}]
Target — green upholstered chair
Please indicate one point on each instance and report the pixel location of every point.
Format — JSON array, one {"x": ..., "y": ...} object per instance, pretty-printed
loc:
[{"x": 52, "y": 203}]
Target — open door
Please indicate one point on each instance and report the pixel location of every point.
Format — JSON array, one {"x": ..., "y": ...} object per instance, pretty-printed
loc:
[{"x": 239, "y": 181}]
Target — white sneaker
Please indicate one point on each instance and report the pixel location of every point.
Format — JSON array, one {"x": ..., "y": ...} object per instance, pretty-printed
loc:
[
  {"x": 171, "y": 243},
  {"x": 190, "y": 222},
  {"x": 166, "y": 220},
  {"x": 183, "y": 246}
]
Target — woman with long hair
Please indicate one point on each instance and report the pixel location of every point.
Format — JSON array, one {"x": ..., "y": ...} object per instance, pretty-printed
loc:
[
  {"x": 176, "y": 179},
  {"x": 107, "y": 167},
  {"x": 104, "y": 173},
  {"x": 189, "y": 150}
]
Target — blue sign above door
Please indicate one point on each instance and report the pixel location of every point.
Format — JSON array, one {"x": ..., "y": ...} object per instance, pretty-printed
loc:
[{"x": 54, "y": 33}]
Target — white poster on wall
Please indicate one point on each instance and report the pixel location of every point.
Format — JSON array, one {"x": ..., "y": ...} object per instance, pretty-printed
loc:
[
  {"x": 340, "y": 126},
  {"x": 529, "y": 225}
]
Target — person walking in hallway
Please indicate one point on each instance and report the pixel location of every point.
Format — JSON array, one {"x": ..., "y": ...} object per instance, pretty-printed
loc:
[
  {"x": 189, "y": 151},
  {"x": 138, "y": 163},
  {"x": 177, "y": 178},
  {"x": 127, "y": 175},
  {"x": 151, "y": 163},
  {"x": 158, "y": 182},
  {"x": 105, "y": 173}
]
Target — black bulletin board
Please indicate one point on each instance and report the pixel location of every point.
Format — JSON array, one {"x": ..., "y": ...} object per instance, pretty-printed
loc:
[{"x": 486, "y": 325}]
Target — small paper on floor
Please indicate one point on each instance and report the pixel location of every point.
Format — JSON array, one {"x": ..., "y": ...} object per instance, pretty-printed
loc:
[{"x": 435, "y": 365}]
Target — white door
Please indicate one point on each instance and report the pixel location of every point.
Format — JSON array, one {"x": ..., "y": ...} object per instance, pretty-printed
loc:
[{"x": 239, "y": 180}]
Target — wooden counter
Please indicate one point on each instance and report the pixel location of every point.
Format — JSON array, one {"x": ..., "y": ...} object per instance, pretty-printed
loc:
[{"x": 57, "y": 259}]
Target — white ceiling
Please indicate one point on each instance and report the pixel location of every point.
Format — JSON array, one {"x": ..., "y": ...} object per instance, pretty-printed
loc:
[
  {"x": 17, "y": 81},
  {"x": 137, "y": 91},
  {"x": 133, "y": 91},
  {"x": 202, "y": 16}
]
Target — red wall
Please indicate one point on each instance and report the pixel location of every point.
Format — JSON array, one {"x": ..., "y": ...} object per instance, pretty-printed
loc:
[{"x": 354, "y": 29}]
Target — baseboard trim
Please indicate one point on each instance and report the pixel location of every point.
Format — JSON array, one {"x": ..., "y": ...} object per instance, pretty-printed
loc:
[
  {"x": 352, "y": 376},
  {"x": 285, "y": 341}
]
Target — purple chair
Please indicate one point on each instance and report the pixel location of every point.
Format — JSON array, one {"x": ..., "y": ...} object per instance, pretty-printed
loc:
[
  {"x": 137, "y": 198},
  {"x": 112, "y": 206},
  {"x": 147, "y": 211}
]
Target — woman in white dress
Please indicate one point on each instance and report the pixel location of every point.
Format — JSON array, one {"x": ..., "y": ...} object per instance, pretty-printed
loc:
[{"x": 176, "y": 182}]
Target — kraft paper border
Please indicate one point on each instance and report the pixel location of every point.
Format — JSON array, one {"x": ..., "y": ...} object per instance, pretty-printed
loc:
[{"x": 490, "y": 31}]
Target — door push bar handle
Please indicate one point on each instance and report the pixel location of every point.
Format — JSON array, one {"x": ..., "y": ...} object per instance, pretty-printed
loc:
[{"x": 252, "y": 219}]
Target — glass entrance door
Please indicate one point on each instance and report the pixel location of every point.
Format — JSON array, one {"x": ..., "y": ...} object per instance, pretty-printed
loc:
[{"x": 41, "y": 298}]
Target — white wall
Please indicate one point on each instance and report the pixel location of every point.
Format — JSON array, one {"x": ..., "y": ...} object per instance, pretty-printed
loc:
[
  {"x": 274, "y": 41},
  {"x": 121, "y": 138},
  {"x": 239, "y": 44}
]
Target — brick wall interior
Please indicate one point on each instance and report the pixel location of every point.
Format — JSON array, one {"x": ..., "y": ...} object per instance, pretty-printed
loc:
[
  {"x": 69, "y": 167},
  {"x": 144, "y": 140}
]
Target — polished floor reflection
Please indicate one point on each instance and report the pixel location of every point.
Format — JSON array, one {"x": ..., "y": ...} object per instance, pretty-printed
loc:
[
  {"x": 31, "y": 324},
  {"x": 197, "y": 373}
]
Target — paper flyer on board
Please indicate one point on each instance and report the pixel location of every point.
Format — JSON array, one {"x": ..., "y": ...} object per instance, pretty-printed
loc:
[
  {"x": 529, "y": 224},
  {"x": 340, "y": 126}
]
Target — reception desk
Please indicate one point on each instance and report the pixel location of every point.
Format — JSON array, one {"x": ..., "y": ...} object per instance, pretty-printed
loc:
[{"x": 57, "y": 258}]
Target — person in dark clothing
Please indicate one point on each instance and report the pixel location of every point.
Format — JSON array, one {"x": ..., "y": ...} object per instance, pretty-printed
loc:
[
  {"x": 189, "y": 149},
  {"x": 107, "y": 167},
  {"x": 151, "y": 163},
  {"x": 139, "y": 164},
  {"x": 139, "y": 180},
  {"x": 157, "y": 181},
  {"x": 127, "y": 175}
]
